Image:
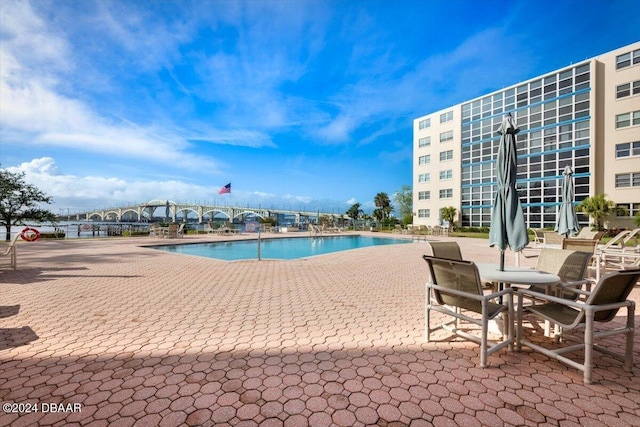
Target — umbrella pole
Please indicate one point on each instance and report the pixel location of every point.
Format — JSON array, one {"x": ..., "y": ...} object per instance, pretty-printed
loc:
[{"x": 501, "y": 260}]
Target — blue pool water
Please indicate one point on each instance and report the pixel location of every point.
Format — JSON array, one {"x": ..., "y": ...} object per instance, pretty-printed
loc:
[{"x": 285, "y": 248}]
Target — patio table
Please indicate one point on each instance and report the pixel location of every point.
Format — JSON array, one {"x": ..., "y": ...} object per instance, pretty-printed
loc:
[{"x": 517, "y": 275}]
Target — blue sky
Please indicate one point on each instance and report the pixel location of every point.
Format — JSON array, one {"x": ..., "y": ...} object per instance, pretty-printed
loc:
[{"x": 299, "y": 104}]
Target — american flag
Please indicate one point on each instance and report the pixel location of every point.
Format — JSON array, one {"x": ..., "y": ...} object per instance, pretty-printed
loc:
[{"x": 225, "y": 189}]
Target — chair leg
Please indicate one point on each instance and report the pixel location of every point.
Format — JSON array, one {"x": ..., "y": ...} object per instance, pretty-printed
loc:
[
  {"x": 628, "y": 354},
  {"x": 427, "y": 323},
  {"x": 588, "y": 347},
  {"x": 508, "y": 321},
  {"x": 519, "y": 327},
  {"x": 484, "y": 336}
]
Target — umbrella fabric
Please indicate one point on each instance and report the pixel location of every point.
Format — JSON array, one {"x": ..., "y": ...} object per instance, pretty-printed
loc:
[
  {"x": 167, "y": 211},
  {"x": 567, "y": 221},
  {"x": 508, "y": 227}
]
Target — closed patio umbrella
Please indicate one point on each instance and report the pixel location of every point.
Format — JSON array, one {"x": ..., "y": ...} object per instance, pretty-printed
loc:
[
  {"x": 508, "y": 228},
  {"x": 567, "y": 221}
]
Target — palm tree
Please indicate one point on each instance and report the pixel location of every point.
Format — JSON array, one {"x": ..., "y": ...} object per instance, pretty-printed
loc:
[
  {"x": 598, "y": 208},
  {"x": 383, "y": 203},
  {"x": 449, "y": 215},
  {"x": 354, "y": 212}
]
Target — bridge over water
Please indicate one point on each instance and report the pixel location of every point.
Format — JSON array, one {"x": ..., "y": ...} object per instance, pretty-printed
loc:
[{"x": 144, "y": 212}]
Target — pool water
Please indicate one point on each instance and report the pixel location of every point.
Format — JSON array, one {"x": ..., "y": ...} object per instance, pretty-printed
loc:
[{"x": 284, "y": 248}]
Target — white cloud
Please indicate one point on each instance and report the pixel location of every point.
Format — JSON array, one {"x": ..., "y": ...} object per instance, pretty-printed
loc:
[{"x": 93, "y": 191}]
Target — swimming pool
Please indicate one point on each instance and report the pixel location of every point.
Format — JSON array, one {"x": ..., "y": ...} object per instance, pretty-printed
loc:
[{"x": 282, "y": 248}]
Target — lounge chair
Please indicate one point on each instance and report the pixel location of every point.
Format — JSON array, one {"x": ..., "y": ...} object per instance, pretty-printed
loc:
[
  {"x": 538, "y": 240},
  {"x": 11, "y": 252},
  {"x": 552, "y": 238},
  {"x": 456, "y": 287},
  {"x": 599, "y": 306},
  {"x": 208, "y": 228},
  {"x": 618, "y": 254}
]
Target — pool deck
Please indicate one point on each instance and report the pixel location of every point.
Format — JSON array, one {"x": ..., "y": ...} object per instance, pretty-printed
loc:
[{"x": 143, "y": 337}]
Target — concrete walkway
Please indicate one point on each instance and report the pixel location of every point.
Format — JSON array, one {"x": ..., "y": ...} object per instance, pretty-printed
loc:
[{"x": 125, "y": 335}]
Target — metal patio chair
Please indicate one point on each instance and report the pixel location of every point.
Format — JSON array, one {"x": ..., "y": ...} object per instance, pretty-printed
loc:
[
  {"x": 599, "y": 306},
  {"x": 570, "y": 266},
  {"x": 589, "y": 246},
  {"x": 454, "y": 289},
  {"x": 10, "y": 251},
  {"x": 448, "y": 250}
]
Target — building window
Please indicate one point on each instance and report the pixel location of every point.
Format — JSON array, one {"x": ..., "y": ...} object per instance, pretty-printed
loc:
[
  {"x": 424, "y": 213},
  {"x": 446, "y": 193},
  {"x": 424, "y": 177},
  {"x": 424, "y": 142},
  {"x": 446, "y": 155},
  {"x": 448, "y": 174},
  {"x": 424, "y": 195},
  {"x": 628, "y": 59},
  {"x": 627, "y": 149},
  {"x": 446, "y": 136},
  {"x": 628, "y": 180},
  {"x": 446, "y": 117},
  {"x": 628, "y": 209},
  {"x": 627, "y": 119},
  {"x": 628, "y": 89},
  {"x": 423, "y": 124},
  {"x": 424, "y": 160}
]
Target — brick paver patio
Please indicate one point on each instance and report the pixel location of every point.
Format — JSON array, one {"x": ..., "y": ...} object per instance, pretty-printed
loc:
[{"x": 136, "y": 336}]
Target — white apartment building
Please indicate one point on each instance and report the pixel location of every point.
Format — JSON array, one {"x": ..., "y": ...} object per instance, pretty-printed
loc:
[{"x": 586, "y": 116}]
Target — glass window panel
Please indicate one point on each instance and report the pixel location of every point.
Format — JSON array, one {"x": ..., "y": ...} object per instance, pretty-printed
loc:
[
  {"x": 623, "y": 120},
  {"x": 623, "y": 90},
  {"x": 582, "y": 78},
  {"x": 623, "y": 61},
  {"x": 623, "y": 180},
  {"x": 582, "y": 69},
  {"x": 623, "y": 150}
]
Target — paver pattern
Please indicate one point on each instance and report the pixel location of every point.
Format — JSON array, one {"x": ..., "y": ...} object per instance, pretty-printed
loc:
[{"x": 141, "y": 337}]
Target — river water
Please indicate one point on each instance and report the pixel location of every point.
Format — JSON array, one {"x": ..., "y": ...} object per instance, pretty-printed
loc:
[{"x": 79, "y": 229}]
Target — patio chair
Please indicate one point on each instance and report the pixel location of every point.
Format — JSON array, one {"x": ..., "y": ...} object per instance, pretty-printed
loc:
[
  {"x": 172, "y": 232},
  {"x": 584, "y": 245},
  {"x": 570, "y": 266},
  {"x": 155, "y": 230},
  {"x": 599, "y": 306},
  {"x": 552, "y": 238},
  {"x": 538, "y": 240},
  {"x": 619, "y": 241},
  {"x": 618, "y": 254},
  {"x": 448, "y": 250},
  {"x": 11, "y": 252},
  {"x": 456, "y": 287}
]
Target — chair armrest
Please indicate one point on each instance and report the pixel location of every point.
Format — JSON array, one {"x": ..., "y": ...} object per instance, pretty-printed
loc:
[
  {"x": 567, "y": 287},
  {"x": 499, "y": 293},
  {"x": 476, "y": 297},
  {"x": 550, "y": 298}
]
